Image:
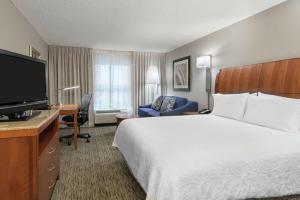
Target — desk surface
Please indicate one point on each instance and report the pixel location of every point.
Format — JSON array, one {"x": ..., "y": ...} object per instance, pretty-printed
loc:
[{"x": 66, "y": 107}]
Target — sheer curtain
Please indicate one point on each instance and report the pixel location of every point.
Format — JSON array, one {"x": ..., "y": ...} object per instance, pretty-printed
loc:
[{"x": 112, "y": 80}]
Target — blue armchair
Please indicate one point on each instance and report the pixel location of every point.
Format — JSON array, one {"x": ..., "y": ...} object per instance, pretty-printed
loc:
[{"x": 181, "y": 105}]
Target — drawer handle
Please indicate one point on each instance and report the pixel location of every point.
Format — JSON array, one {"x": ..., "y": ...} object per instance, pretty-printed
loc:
[
  {"x": 51, "y": 150},
  {"x": 52, "y": 184},
  {"x": 51, "y": 168}
]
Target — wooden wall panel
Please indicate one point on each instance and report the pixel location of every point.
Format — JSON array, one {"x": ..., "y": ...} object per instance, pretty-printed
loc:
[
  {"x": 238, "y": 79},
  {"x": 281, "y": 78}
]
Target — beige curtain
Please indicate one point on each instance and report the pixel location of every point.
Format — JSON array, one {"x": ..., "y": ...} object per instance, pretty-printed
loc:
[
  {"x": 141, "y": 61},
  {"x": 70, "y": 66}
]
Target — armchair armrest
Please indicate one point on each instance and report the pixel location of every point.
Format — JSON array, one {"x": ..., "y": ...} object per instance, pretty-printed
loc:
[
  {"x": 145, "y": 106},
  {"x": 191, "y": 106}
]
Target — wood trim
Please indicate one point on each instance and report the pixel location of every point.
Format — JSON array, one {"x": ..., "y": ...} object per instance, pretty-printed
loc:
[
  {"x": 34, "y": 175},
  {"x": 47, "y": 123},
  {"x": 280, "y": 78}
]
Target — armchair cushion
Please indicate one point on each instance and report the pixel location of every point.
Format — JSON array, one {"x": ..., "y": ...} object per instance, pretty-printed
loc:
[
  {"x": 168, "y": 104},
  {"x": 157, "y": 103},
  {"x": 148, "y": 112},
  {"x": 145, "y": 106}
]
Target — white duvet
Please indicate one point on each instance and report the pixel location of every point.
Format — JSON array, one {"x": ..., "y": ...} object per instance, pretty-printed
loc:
[{"x": 205, "y": 157}]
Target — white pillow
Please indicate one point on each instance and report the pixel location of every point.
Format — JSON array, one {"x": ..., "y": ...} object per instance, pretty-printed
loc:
[
  {"x": 274, "y": 113},
  {"x": 260, "y": 94},
  {"x": 230, "y": 105},
  {"x": 283, "y": 98}
]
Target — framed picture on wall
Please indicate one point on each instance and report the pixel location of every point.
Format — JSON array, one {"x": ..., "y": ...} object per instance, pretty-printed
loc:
[{"x": 181, "y": 74}]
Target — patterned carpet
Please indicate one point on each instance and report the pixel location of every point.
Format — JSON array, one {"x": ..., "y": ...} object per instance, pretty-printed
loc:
[{"x": 97, "y": 171}]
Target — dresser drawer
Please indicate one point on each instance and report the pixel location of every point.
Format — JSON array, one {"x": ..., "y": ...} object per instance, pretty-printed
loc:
[
  {"x": 48, "y": 168},
  {"x": 53, "y": 165}
]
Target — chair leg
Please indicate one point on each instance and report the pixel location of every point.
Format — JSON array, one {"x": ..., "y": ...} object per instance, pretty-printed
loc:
[
  {"x": 67, "y": 137},
  {"x": 69, "y": 141},
  {"x": 80, "y": 135},
  {"x": 83, "y": 135}
]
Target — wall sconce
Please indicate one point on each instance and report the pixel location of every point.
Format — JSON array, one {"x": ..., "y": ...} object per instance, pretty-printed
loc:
[{"x": 203, "y": 62}]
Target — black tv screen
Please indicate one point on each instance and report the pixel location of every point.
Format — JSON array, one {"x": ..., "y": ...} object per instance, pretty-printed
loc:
[{"x": 22, "y": 79}]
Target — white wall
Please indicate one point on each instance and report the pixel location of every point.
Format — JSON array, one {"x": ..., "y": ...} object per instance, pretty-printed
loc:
[
  {"x": 271, "y": 35},
  {"x": 16, "y": 33}
]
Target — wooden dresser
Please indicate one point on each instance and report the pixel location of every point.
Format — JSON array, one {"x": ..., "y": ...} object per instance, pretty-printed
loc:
[{"x": 29, "y": 157}]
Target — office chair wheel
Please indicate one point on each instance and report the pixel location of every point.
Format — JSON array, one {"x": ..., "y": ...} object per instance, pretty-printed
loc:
[
  {"x": 60, "y": 140},
  {"x": 69, "y": 143},
  {"x": 87, "y": 141}
]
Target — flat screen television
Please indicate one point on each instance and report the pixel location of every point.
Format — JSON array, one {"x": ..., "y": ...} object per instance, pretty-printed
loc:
[{"x": 22, "y": 83}]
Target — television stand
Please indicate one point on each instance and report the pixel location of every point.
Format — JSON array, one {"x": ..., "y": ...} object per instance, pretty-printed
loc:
[
  {"x": 23, "y": 116},
  {"x": 29, "y": 157}
]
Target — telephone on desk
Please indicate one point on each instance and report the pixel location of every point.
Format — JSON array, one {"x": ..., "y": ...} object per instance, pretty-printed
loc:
[{"x": 205, "y": 111}]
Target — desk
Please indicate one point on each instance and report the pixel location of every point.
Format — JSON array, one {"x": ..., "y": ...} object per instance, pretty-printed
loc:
[{"x": 70, "y": 109}]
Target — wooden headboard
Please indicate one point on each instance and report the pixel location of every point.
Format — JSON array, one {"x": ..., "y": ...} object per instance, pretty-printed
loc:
[{"x": 280, "y": 78}]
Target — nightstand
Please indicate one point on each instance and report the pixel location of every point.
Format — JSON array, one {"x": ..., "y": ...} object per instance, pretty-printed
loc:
[
  {"x": 201, "y": 112},
  {"x": 122, "y": 116}
]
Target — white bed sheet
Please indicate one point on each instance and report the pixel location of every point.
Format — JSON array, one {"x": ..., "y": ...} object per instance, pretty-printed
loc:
[{"x": 205, "y": 157}]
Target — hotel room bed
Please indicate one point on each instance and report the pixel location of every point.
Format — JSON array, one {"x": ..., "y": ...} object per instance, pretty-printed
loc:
[{"x": 209, "y": 157}]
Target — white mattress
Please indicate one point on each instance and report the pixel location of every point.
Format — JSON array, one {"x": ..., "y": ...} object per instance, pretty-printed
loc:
[{"x": 205, "y": 157}]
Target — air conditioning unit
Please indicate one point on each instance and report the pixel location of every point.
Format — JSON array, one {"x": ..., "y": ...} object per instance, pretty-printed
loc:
[{"x": 106, "y": 116}]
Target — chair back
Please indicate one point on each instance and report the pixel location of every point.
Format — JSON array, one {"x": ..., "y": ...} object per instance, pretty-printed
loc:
[{"x": 85, "y": 104}]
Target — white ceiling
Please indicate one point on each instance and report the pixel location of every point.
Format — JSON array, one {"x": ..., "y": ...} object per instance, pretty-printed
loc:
[{"x": 143, "y": 25}]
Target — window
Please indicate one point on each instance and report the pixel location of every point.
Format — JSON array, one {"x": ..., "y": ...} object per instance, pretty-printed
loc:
[{"x": 112, "y": 81}]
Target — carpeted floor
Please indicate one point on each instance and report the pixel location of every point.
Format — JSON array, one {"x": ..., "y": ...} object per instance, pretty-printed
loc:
[{"x": 97, "y": 171}]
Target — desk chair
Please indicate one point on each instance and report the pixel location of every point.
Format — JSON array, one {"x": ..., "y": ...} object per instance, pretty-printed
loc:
[{"x": 82, "y": 118}]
